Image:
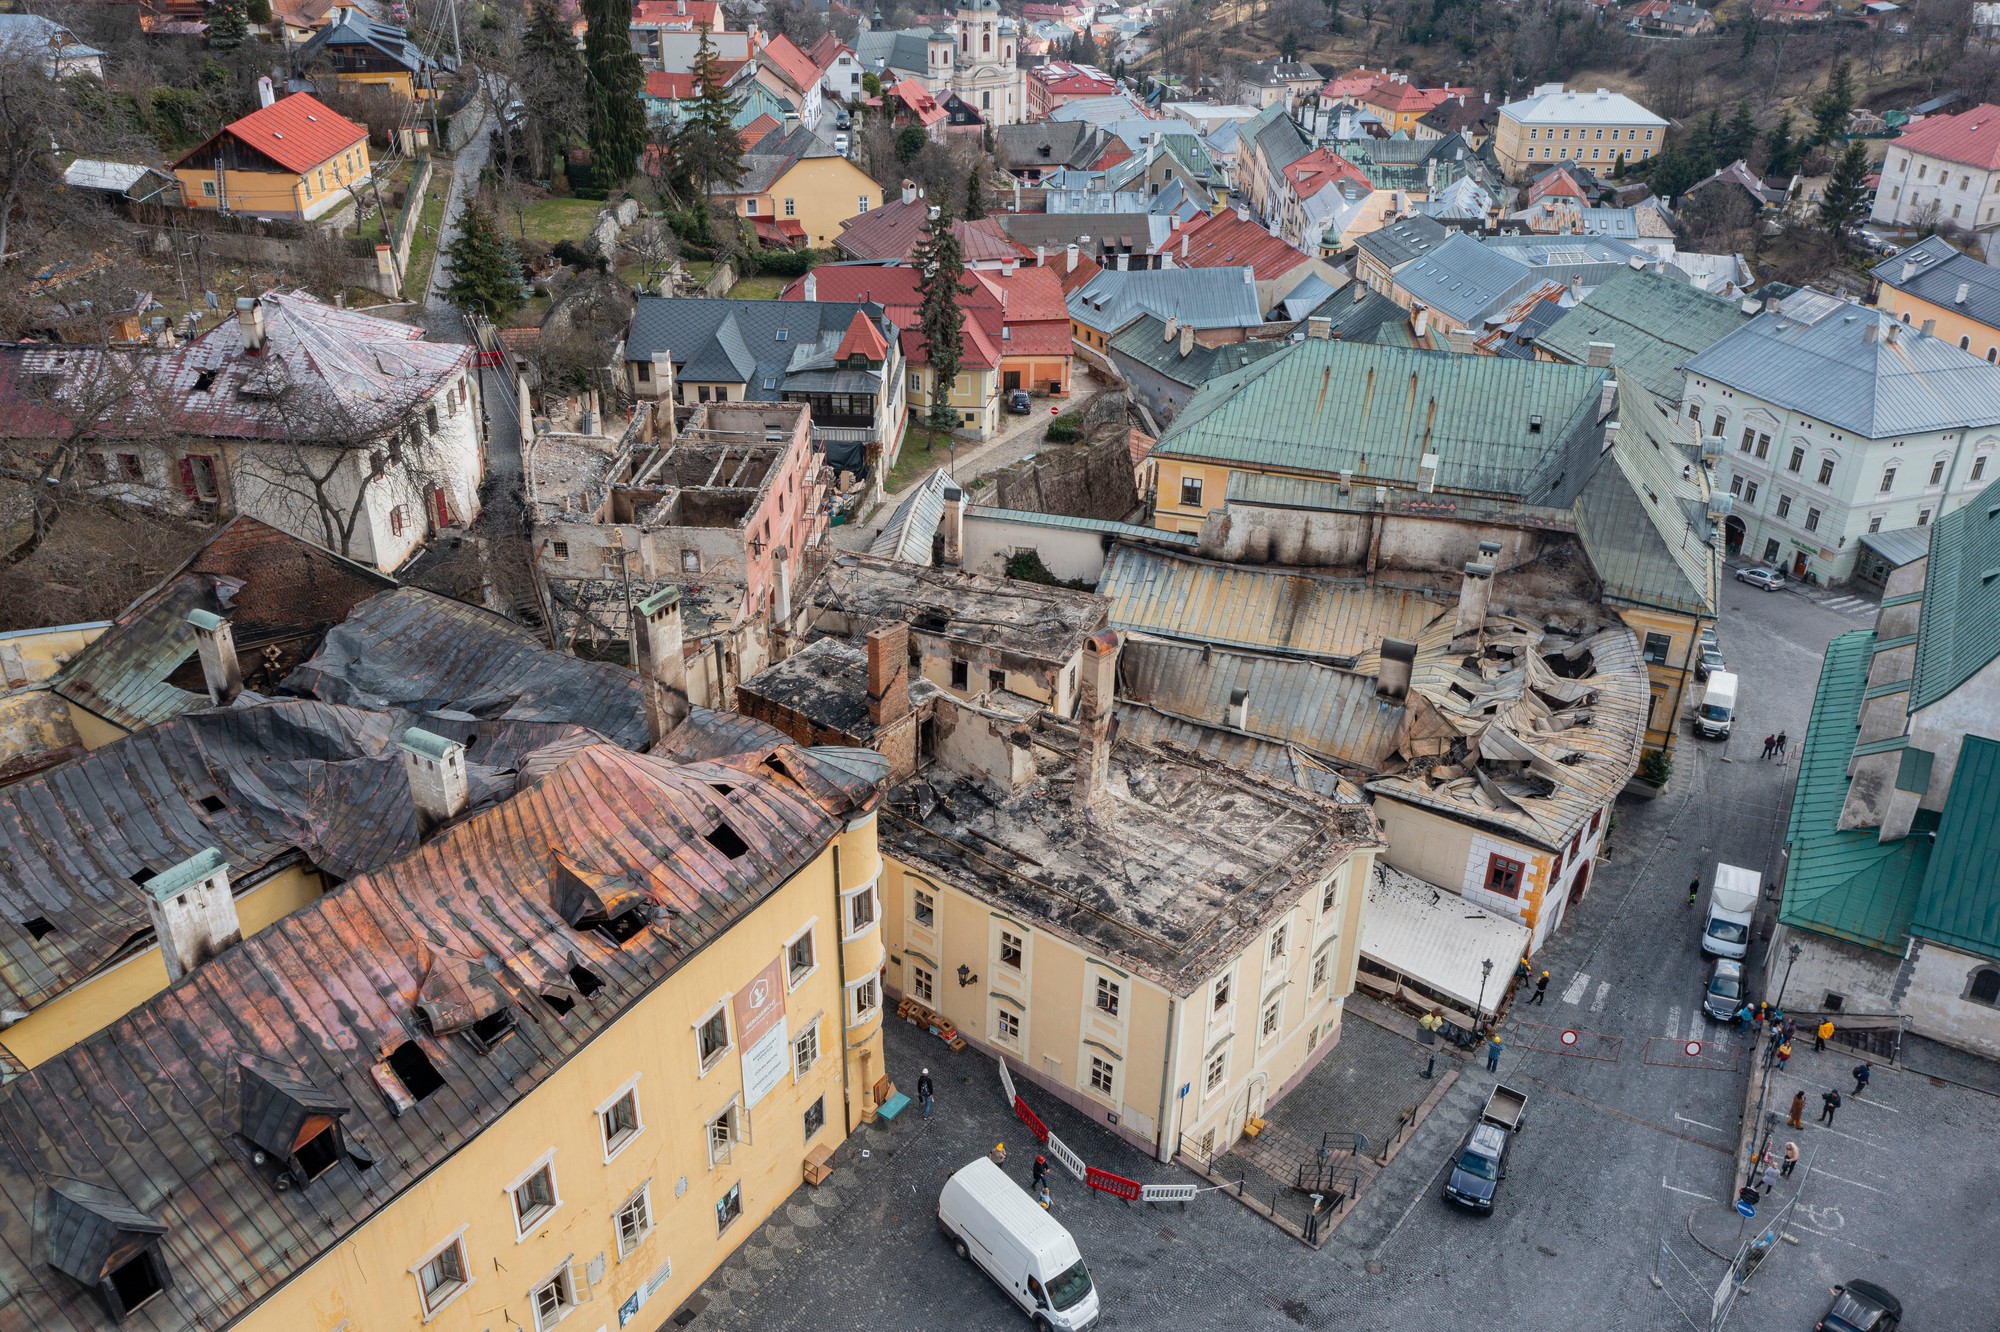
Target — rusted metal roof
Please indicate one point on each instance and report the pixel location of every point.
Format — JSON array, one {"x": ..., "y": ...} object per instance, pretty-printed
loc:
[{"x": 145, "y": 1109}]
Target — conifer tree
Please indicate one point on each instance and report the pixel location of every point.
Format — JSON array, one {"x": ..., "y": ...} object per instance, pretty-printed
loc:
[
  {"x": 616, "y": 78},
  {"x": 228, "y": 25},
  {"x": 941, "y": 282},
  {"x": 707, "y": 144},
  {"x": 1845, "y": 202},
  {"x": 975, "y": 196},
  {"x": 485, "y": 274},
  {"x": 1781, "y": 150},
  {"x": 1835, "y": 100},
  {"x": 551, "y": 72}
]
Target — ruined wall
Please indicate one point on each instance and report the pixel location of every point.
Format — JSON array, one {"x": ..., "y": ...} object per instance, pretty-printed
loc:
[
  {"x": 1093, "y": 481},
  {"x": 1316, "y": 538},
  {"x": 35, "y": 732},
  {"x": 993, "y": 751}
]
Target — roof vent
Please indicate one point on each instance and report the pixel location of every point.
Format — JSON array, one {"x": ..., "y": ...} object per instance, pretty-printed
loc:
[{"x": 1964, "y": 290}]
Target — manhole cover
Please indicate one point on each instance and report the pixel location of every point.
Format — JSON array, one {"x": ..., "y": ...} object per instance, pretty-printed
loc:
[{"x": 1373, "y": 1267}]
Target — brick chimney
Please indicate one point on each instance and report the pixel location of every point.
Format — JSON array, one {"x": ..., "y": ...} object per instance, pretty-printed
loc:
[
  {"x": 436, "y": 769},
  {"x": 888, "y": 674},
  {"x": 1187, "y": 339},
  {"x": 954, "y": 526},
  {"x": 1097, "y": 687},
  {"x": 217, "y": 646},
  {"x": 193, "y": 913},
  {"x": 656, "y": 632},
  {"x": 1599, "y": 355}
]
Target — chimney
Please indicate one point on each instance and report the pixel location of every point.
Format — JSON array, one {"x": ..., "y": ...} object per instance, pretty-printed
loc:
[
  {"x": 1607, "y": 398},
  {"x": 954, "y": 526},
  {"x": 1184, "y": 246},
  {"x": 266, "y": 94},
  {"x": 1576, "y": 286},
  {"x": 250, "y": 320},
  {"x": 1172, "y": 329},
  {"x": 1930, "y": 327},
  {"x": 888, "y": 674},
  {"x": 1964, "y": 290},
  {"x": 811, "y": 289},
  {"x": 781, "y": 595},
  {"x": 1398, "y": 657},
  {"x": 1420, "y": 322},
  {"x": 909, "y": 191},
  {"x": 436, "y": 769},
  {"x": 1909, "y": 269},
  {"x": 1893, "y": 333},
  {"x": 1318, "y": 326},
  {"x": 1599, "y": 356},
  {"x": 1098, "y": 686},
  {"x": 1017, "y": 194},
  {"x": 194, "y": 916},
  {"x": 1360, "y": 292},
  {"x": 1238, "y": 716},
  {"x": 1069, "y": 258},
  {"x": 1475, "y": 590},
  {"x": 217, "y": 646},
  {"x": 656, "y": 632},
  {"x": 1869, "y": 332},
  {"x": 1041, "y": 256},
  {"x": 1427, "y": 473},
  {"x": 1187, "y": 339}
]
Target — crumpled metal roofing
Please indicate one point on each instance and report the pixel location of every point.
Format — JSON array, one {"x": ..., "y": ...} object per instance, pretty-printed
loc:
[
  {"x": 144, "y": 1108},
  {"x": 907, "y": 536},
  {"x": 436, "y": 657}
]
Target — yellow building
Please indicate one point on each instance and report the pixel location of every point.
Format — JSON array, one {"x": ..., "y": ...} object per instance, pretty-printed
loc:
[
  {"x": 1595, "y": 129},
  {"x": 1945, "y": 293},
  {"x": 567, "y": 1055},
  {"x": 796, "y": 191},
  {"x": 293, "y": 158}
]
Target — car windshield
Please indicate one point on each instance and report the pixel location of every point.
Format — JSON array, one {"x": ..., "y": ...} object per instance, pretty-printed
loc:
[
  {"x": 1472, "y": 1163},
  {"x": 1728, "y": 931},
  {"x": 1715, "y": 712},
  {"x": 1726, "y": 987},
  {"x": 1070, "y": 1287},
  {"x": 1853, "y": 1311}
]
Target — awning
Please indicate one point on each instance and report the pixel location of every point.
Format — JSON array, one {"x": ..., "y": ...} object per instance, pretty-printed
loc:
[
  {"x": 1438, "y": 939},
  {"x": 779, "y": 231}
]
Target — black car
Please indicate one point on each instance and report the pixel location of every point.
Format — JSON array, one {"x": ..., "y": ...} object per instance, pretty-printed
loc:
[
  {"x": 1861, "y": 1306},
  {"x": 1478, "y": 1168},
  {"x": 1711, "y": 662},
  {"x": 1019, "y": 403}
]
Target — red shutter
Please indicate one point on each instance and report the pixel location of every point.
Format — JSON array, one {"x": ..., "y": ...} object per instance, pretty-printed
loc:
[
  {"x": 443, "y": 508},
  {"x": 187, "y": 477}
]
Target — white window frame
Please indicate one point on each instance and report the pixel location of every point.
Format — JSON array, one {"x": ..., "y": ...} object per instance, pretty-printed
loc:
[
  {"x": 1211, "y": 1080},
  {"x": 705, "y": 1063},
  {"x": 923, "y": 901},
  {"x": 565, "y": 1278},
  {"x": 643, "y": 1197},
  {"x": 1002, "y": 1016},
  {"x": 923, "y": 983},
  {"x": 526, "y": 1227},
  {"x": 1222, "y": 992},
  {"x": 794, "y": 980},
  {"x": 1329, "y": 894},
  {"x": 1020, "y": 950},
  {"x": 1110, "y": 989},
  {"x": 1110, "y": 1068},
  {"x": 1278, "y": 946},
  {"x": 611, "y": 1149},
  {"x": 1269, "y": 1028},
  {"x": 455, "y": 1240},
  {"x": 848, "y": 931},
  {"x": 871, "y": 984},
  {"x": 808, "y": 1031},
  {"x": 1322, "y": 970},
  {"x": 733, "y": 1112}
]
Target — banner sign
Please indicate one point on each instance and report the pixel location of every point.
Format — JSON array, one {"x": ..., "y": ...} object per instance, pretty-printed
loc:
[{"x": 761, "y": 1032}]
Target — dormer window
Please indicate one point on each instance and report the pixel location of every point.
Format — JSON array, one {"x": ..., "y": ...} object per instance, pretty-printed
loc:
[
  {"x": 98, "y": 1240},
  {"x": 292, "y": 1126}
]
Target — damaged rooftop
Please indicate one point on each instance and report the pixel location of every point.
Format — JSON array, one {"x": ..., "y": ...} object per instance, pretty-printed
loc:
[
  {"x": 1025, "y": 618},
  {"x": 826, "y": 682},
  {"x": 710, "y": 473}
]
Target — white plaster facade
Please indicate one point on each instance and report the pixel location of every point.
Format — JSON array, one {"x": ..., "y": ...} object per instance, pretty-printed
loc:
[{"x": 1920, "y": 188}]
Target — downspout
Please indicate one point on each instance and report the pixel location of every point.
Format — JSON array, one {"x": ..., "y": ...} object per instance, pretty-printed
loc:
[
  {"x": 840, "y": 969},
  {"x": 1165, "y": 1152}
]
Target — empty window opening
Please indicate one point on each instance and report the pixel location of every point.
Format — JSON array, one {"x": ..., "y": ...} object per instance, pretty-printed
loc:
[
  {"x": 413, "y": 1068},
  {"x": 490, "y": 1030},
  {"x": 214, "y": 804},
  {"x": 141, "y": 876},
  {"x": 559, "y": 1004},
  {"x": 38, "y": 927},
  {"x": 137, "y": 1280},
  {"x": 725, "y": 840},
  {"x": 317, "y": 1154},
  {"x": 587, "y": 982}
]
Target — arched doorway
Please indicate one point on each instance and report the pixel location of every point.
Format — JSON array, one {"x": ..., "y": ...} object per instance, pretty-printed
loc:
[
  {"x": 1734, "y": 532},
  {"x": 1578, "y": 884}
]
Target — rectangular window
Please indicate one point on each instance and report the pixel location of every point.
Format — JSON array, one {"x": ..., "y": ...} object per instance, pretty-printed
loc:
[
  {"x": 1784, "y": 508},
  {"x": 1937, "y": 472},
  {"x": 1749, "y": 438},
  {"x": 1329, "y": 892},
  {"x": 1221, "y": 992},
  {"x": 922, "y": 983},
  {"x": 1010, "y": 950},
  {"x": 1107, "y": 995},
  {"x": 1750, "y": 493},
  {"x": 690, "y": 561},
  {"x": 815, "y": 1118},
  {"x": 208, "y": 189},
  {"x": 712, "y": 1037},
  {"x": 1191, "y": 492},
  {"x": 790, "y": 209},
  {"x": 554, "y": 1300},
  {"x": 635, "y": 1221},
  {"x": 860, "y": 911},
  {"x": 1273, "y": 1013},
  {"x": 729, "y": 1208},
  {"x": 620, "y": 1122},
  {"x": 1888, "y": 480},
  {"x": 1736, "y": 485},
  {"x": 861, "y": 204},
  {"x": 961, "y": 675},
  {"x": 1322, "y": 970},
  {"x": 534, "y": 1198},
  {"x": 1503, "y": 876},
  {"x": 1102, "y": 1076},
  {"x": 750, "y": 206},
  {"x": 1007, "y": 1026},
  {"x": 864, "y": 1000},
  {"x": 799, "y": 958},
  {"x": 1825, "y": 470},
  {"x": 1763, "y": 446},
  {"x": 1218, "y": 1070},
  {"x": 1275, "y": 953},
  {"x": 1657, "y": 647},
  {"x": 1770, "y": 549},
  {"x": 1923, "y": 518},
  {"x": 924, "y": 907},
  {"x": 805, "y": 1051},
  {"x": 1875, "y": 523},
  {"x": 442, "y": 1276},
  {"x": 1798, "y": 459},
  {"x": 135, "y": 470},
  {"x": 724, "y": 1131},
  {"x": 1978, "y": 466},
  {"x": 1812, "y": 520}
]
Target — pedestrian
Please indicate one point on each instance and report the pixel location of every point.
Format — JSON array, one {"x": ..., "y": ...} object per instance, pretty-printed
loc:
[
  {"x": 1791, "y": 1029},
  {"x": 925, "y": 1091},
  {"x": 1541, "y": 989},
  {"x": 1770, "y": 744},
  {"x": 1041, "y": 1171},
  {"x": 1781, "y": 744},
  {"x": 1744, "y": 1016},
  {"x": 1694, "y": 889},
  {"x": 1798, "y": 1108},
  {"x": 1819, "y": 1037},
  {"x": 1522, "y": 970},
  {"x": 1042, "y": 1195},
  {"x": 999, "y": 1153},
  {"x": 1829, "y": 1101},
  {"x": 1861, "y": 1075},
  {"x": 1770, "y": 1180},
  {"x": 1493, "y": 1049},
  {"x": 1791, "y": 1155},
  {"x": 1784, "y": 1054}
]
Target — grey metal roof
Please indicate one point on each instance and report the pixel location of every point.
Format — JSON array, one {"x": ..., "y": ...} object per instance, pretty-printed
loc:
[
  {"x": 907, "y": 536},
  {"x": 1843, "y": 369},
  {"x": 1145, "y": 341},
  {"x": 1277, "y": 136},
  {"x": 906, "y": 50},
  {"x": 1463, "y": 279},
  {"x": 1305, "y": 297},
  {"x": 1399, "y": 242},
  {"x": 1593, "y": 259},
  {"x": 1130, "y": 531},
  {"x": 1641, "y": 516},
  {"x": 1049, "y": 144},
  {"x": 774, "y": 155},
  {"x": 1203, "y": 297},
  {"x": 713, "y": 334},
  {"x": 1931, "y": 270},
  {"x": 1095, "y": 233},
  {"x": 1654, "y": 324},
  {"x": 1905, "y": 545},
  {"x": 1358, "y": 314}
]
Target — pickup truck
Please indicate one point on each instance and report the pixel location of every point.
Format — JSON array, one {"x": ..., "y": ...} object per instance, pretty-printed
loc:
[{"x": 1481, "y": 1161}]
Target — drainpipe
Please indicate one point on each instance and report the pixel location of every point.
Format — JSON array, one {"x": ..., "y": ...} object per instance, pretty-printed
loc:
[
  {"x": 840, "y": 969},
  {"x": 1168, "y": 1140}
]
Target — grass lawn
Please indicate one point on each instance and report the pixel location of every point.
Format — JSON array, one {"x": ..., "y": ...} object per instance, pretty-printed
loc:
[
  {"x": 423, "y": 247},
  {"x": 763, "y": 287},
  {"x": 923, "y": 449},
  {"x": 551, "y": 220}
]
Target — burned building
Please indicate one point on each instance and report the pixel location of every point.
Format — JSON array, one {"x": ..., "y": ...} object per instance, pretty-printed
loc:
[{"x": 831, "y": 692}]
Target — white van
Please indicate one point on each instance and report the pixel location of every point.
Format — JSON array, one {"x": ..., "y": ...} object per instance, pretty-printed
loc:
[
  {"x": 1732, "y": 901},
  {"x": 1718, "y": 706},
  {"x": 992, "y": 1220}
]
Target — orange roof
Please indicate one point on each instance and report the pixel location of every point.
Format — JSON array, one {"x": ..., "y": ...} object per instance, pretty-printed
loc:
[
  {"x": 1224, "y": 240},
  {"x": 690, "y": 14},
  {"x": 1086, "y": 269},
  {"x": 1032, "y": 294},
  {"x": 863, "y": 339},
  {"x": 1321, "y": 168},
  {"x": 753, "y": 133},
  {"x": 785, "y": 57},
  {"x": 917, "y": 100},
  {"x": 1970, "y": 137},
  {"x": 298, "y": 133},
  {"x": 826, "y": 50}
]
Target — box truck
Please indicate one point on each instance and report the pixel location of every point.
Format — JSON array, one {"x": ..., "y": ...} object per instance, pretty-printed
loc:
[{"x": 1732, "y": 901}]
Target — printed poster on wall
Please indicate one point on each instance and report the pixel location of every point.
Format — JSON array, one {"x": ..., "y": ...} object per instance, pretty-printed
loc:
[{"x": 761, "y": 1032}]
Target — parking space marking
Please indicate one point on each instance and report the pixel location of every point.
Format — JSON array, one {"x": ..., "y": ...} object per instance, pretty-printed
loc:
[
  {"x": 1696, "y": 1122},
  {"x": 1603, "y": 993},
  {"x": 1576, "y": 988},
  {"x": 1821, "y": 1170},
  {"x": 1689, "y": 1192}
]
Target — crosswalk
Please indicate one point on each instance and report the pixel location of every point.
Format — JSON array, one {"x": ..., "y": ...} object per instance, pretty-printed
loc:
[
  {"x": 1579, "y": 986},
  {"x": 1860, "y": 607}
]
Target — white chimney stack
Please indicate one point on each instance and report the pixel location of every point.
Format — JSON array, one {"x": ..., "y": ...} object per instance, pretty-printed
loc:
[
  {"x": 656, "y": 631},
  {"x": 193, "y": 913},
  {"x": 1187, "y": 339},
  {"x": 1475, "y": 590},
  {"x": 435, "y": 767},
  {"x": 1098, "y": 683},
  {"x": 216, "y": 644},
  {"x": 954, "y": 526},
  {"x": 250, "y": 322}
]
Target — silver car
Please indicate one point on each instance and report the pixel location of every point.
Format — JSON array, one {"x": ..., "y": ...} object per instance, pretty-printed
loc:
[
  {"x": 1725, "y": 990},
  {"x": 1768, "y": 579}
]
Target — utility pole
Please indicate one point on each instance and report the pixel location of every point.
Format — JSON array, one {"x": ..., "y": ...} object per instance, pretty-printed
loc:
[{"x": 457, "y": 53}]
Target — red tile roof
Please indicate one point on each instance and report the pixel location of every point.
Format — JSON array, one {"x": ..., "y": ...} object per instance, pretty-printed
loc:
[
  {"x": 917, "y": 100},
  {"x": 1114, "y": 153},
  {"x": 826, "y": 50},
  {"x": 894, "y": 288},
  {"x": 689, "y": 14},
  {"x": 1224, "y": 240},
  {"x": 1032, "y": 294},
  {"x": 1970, "y": 137},
  {"x": 753, "y": 133},
  {"x": 298, "y": 133},
  {"x": 1320, "y": 168},
  {"x": 784, "y": 56},
  {"x": 863, "y": 339},
  {"x": 893, "y": 230},
  {"x": 1556, "y": 181}
]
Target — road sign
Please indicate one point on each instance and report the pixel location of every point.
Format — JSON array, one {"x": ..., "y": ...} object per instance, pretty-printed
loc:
[
  {"x": 1745, "y": 1209},
  {"x": 1693, "y": 1048},
  {"x": 1569, "y": 1036}
]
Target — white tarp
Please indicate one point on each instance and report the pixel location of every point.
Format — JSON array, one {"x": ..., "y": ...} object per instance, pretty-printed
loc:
[{"x": 1434, "y": 936}]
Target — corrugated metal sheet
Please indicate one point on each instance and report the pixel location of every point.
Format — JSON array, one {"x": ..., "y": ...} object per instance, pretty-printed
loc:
[
  {"x": 1267, "y": 758},
  {"x": 1295, "y": 613},
  {"x": 1464, "y": 279},
  {"x": 1905, "y": 545},
  {"x": 1960, "y": 905},
  {"x": 1129, "y": 530},
  {"x": 1958, "y": 631},
  {"x": 908, "y": 535},
  {"x": 144, "y": 1108}
]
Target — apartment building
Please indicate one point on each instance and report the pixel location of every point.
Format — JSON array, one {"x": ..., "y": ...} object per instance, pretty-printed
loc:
[
  {"x": 1943, "y": 169},
  {"x": 1595, "y": 129}
]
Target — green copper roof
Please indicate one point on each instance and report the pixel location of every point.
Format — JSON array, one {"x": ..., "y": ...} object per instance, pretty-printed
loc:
[
  {"x": 1654, "y": 324},
  {"x": 1960, "y": 906},
  {"x": 1959, "y": 631}
]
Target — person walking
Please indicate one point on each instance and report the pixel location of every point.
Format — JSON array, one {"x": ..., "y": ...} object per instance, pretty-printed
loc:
[
  {"x": 1784, "y": 1054},
  {"x": 1744, "y": 1017},
  {"x": 1791, "y": 1155},
  {"x": 1770, "y": 1180},
  {"x": 1694, "y": 889},
  {"x": 1791, "y": 1029},
  {"x": 1819, "y": 1037},
  {"x": 1829, "y": 1101},
  {"x": 1541, "y": 989},
  {"x": 1770, "y": 745},
  {"x": 1798, "y": 1109},
  {"x": 1493, "y": 1049},
  {"x": 999, "y": 1153},
  {"x": 1781, "y": 744},
  {"x": 1041, "y": 1172},
  {"x": 1861, "y": 1075},
  {"x": 925, "y": 1090}
]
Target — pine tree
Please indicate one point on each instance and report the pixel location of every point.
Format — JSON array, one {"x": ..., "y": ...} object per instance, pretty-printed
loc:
[
  {"x": 485, "y": 274},
  {"x": 941, "y": 282},
  {"x": 1830, "y": 108},
  {"x": 707, "y": 143},
  {"x": 616, "y": 78},
  {"x": 975, "y": 196},
  {"x": 1739, "y": 136},
  {"x": 1781, "y": 150},
  {"x": 551, "y": 72},
  {"x": 228, "y": 24},
  {"x": 1845, "y": 202}
]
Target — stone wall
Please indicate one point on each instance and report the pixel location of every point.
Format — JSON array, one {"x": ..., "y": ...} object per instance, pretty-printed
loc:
[{"x": 1093, "y": 480}]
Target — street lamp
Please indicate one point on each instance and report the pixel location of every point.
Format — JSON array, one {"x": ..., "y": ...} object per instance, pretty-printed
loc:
[
  {"x": 1792, "y": 951},
  {"x": 1485, "y": 974}
]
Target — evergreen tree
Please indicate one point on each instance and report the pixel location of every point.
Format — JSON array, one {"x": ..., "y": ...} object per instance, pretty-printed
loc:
[
  {"x": 551, "y": 72},
  {"x": 228, "y": 24},
  {"x": 941, "y": 283},
  {"x": 615, "y": 78},
  {"x": 1831, "y": 107},
  {"x": 485, "y": 273},
  {"x": 1672, "y": 172},
  {"x": 910, "y": 142},
  {"x": 1845, "y": 202},
  {"x": 707, "y": 144},
  {"x": 1739, "y": 136},
  {"x": 975, "y": 196},
  {"x": 1288, "y": 48},
  {"x": 1781, "y": 150}
]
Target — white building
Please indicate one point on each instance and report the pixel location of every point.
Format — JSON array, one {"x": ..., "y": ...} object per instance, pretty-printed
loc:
[
  {"x": 986, "y": 76},
  {"x": 1837, "y": 420},
  {"x": 1943, "y": 169}
]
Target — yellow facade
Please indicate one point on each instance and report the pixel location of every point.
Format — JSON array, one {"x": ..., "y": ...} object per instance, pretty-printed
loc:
[
  {"x": 1186, "y": 491},
  {"x": 1524, "y": 150},
  {"x": 93, "y": 730},
  {"x": 370, "y": 1282},
  {"x": 88, "y": 1008},
  {"x": 974, "y": 397},
  {"x": 819, "y": 193},
  {"x": 1953, "y": 325},
  {"x": 1671, "y": 676},
  {"x": 31, "y": 656},
  {"x": 274, "y": 192}
]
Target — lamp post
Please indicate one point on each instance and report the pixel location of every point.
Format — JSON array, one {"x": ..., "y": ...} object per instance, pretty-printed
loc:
[
  {"x": 1792, "y": 951},
  {"x": 1485, "y": 974}
]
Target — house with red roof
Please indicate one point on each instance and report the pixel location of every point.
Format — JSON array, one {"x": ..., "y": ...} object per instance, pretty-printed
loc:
[
  {"x": 1232, "y": 239},
  {"x": 839, "y": 72},
  {"x": 908, "y": 102},
  {"x": 1943, "y": 170},
  {"x": 891, "y": 233},
  {"x": 791, "y": 79},
  {"x": 294, "y": 158},
  {"x": 1059, "y": 83},
  {"x": 1325, "y": 203}
]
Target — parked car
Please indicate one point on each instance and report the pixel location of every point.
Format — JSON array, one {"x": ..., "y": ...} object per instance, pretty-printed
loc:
[
  {"x": 990, "y": 1221},
  {"x": 1861, "y": 1306},
  {"x": 1481, "y": 1162},
  {"x": 841, "y": 142},
  {"x": 1711, "y": 661},
  {"x": 1768, "y": 579},
  {"x": 1725, "y": 990},
  {"x": 1020, "y": 403},
  {"x": 1708, "y": 640}
]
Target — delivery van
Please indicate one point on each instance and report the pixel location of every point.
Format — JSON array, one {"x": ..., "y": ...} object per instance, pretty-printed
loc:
[
  {"x": 1718, "y": 706},
  {"x": 1732, "y": 901},
  {"x": 991, "y": 1220}
]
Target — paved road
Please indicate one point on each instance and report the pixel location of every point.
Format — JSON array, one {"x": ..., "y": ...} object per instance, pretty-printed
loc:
[{"x": 440, "y": 318}]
